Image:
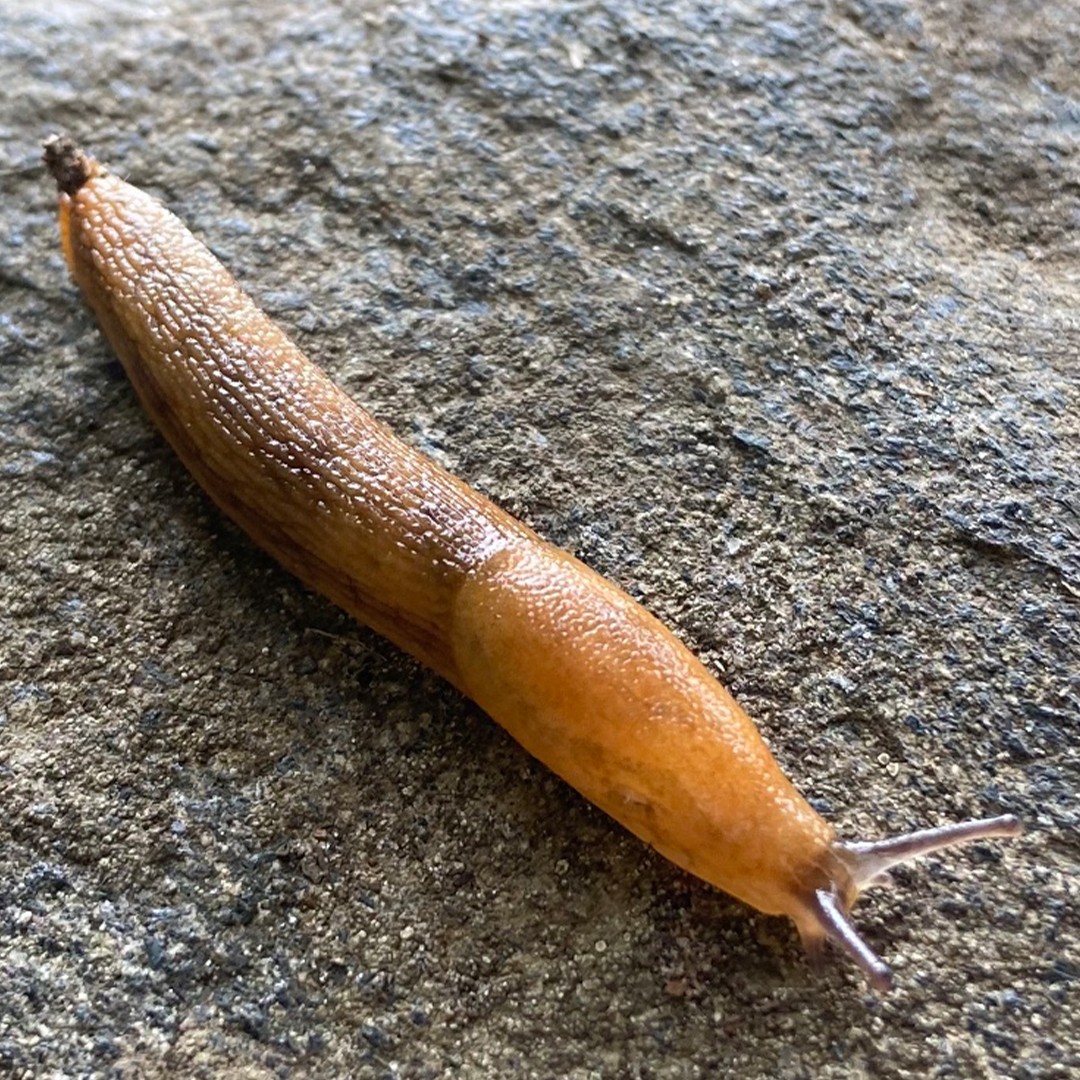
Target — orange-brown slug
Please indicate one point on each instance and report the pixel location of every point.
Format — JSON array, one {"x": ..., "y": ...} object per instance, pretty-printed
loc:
[{"x": 581, "y": 675}]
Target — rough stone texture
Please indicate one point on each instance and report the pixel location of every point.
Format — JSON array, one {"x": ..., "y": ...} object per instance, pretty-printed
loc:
[{"x": 769, "y": 312}]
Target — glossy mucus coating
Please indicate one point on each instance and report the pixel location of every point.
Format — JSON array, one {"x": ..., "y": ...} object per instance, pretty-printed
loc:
[
  {"x": 579, "y": 673},
  {"x": 597, "y": 688}
]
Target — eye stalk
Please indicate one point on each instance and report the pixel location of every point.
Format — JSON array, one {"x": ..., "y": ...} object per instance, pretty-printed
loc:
[{"x": 863, "y": 864}]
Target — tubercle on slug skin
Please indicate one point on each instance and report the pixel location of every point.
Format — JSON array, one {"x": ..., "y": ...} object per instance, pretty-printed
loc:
[{"x": 581, "y": 675}]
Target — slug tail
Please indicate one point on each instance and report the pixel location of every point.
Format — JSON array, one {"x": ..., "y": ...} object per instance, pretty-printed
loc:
[
  {"x": 853, "y": 867},
  {"x": 69, "y": 165}
]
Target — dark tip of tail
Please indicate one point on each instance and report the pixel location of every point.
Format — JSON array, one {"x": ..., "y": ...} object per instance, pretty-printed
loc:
[{"x": 69, "y": 165}]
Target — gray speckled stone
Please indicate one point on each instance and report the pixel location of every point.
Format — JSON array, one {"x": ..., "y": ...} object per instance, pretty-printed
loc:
[{"x": 769, "y": 312}]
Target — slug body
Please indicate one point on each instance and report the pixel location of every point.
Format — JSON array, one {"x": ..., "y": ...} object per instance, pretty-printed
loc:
[{"x": 581, "y": 675}]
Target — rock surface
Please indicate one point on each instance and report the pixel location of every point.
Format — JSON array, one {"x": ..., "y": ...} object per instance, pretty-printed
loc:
[{"x": 767, "y": 311}]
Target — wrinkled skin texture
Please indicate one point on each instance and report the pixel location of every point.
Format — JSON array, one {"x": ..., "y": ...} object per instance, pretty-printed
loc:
[{"x": 579, "y": 673}]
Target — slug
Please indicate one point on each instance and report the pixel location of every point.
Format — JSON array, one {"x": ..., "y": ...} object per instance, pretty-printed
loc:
[{"x": 581, "y": 675}]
